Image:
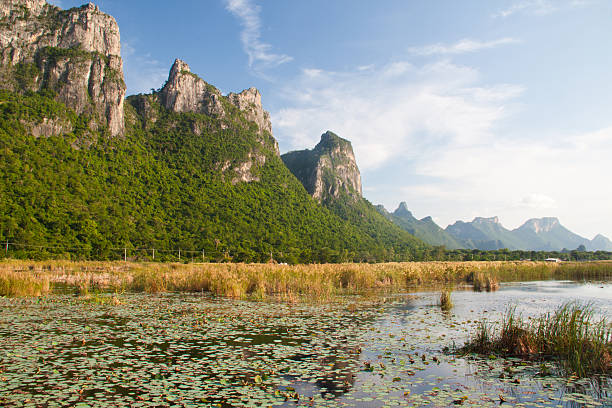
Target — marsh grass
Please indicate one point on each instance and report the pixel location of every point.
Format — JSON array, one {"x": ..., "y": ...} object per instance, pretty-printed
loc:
[
  {"x": 16, "y": 284},
  {"x": 570, "y": 333},
  {"x": 446, "y": 302},
  {"x": 259, "y": 281}
]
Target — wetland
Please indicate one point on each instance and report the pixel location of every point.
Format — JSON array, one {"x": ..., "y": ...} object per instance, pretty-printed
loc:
[{"x": 196, "y": 349}]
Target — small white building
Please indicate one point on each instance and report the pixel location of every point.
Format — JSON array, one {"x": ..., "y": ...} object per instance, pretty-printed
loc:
[{"x": 557, "y": 260}]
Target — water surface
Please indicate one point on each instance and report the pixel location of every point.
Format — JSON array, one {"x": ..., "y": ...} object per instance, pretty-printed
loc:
[{"x": 197, "y": 350}]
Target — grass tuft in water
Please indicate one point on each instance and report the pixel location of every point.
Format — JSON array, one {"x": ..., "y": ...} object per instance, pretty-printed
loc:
[
  {"x": 446, "y": 302},
  {"x": 570, "y": 333}
]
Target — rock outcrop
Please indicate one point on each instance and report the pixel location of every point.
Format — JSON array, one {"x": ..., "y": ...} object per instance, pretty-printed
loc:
[
  {"x": 329, "y": 170},
  {"x": 249, "y": 102},
  {"x": 186, "y": 92},
  {"x": 75, "y": 54},
  {"x": 540, "y": 225}
]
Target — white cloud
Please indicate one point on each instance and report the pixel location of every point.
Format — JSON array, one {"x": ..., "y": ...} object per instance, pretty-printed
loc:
[
  {"x": 142, "y": 71},
  {"x": 259, "y": 52},
  {"x": 461, "y": 47},
  {"x": 436, "y": 137},
  {"x": 537, "y": 201},
  {"x": 392, "y": 111},
  {"x": 540, "y": 7}
]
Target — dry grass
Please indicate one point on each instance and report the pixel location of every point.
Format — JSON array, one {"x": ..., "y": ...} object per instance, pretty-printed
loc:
[{"x": 28, "y": 278}]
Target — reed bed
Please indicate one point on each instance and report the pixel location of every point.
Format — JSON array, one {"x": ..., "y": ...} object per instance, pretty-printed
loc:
[
  {"x": 570, "y": 333},
  {"x": 318, "y": 281}
]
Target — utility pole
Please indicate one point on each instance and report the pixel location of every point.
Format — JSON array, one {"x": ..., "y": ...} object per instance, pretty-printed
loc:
[
  {"x": 7, "y": 244},
  {"x": 124, "y": 254},
  {"x": 153, "y": 253},
  {"x": 203, "y": 257},
  {"x": 179, "y": 254}
]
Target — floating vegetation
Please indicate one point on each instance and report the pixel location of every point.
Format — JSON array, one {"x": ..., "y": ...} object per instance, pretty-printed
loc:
[
  {"x": 570, "y": 333},
  {"x": 260, "y": 281},
  {"x": 152, "y": 350}
]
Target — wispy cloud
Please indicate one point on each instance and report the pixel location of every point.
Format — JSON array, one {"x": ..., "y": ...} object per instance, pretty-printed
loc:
[
  {"x": 461, "y": 47},
  {"x": 434, "y": 134},
  {"x": 142, "y": 71},
  {"x": 540, "y": 7},
  {"x": 391, "y": 111},
  {"x": 260, "y": 53}
]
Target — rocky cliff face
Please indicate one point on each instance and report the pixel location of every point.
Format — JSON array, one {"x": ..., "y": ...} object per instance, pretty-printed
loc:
[
  {"x": 329, "y": 170},
  {"x": 186, "y": 92},
  {"x": 539, "y": 225},
  {"x": 75, "y": 54}
]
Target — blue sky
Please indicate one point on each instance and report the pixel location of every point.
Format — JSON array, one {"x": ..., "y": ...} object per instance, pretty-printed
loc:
[{"x": 460, "y": 108}]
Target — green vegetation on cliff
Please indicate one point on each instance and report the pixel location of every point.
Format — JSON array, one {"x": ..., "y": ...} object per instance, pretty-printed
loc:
[{"x": 169, "y": 183}]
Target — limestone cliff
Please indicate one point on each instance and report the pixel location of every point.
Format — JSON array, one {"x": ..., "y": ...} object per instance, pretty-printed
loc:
[
  {"x": 234, "y": 114},
  {"x": 329, "y": 170},
  {"x": 74, "y": 54},
  {"x": 186, "y": 92}
]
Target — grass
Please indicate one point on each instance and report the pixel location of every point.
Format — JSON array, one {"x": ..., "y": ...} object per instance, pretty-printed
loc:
[
  {"x": 446, "y": 303},
  {"x": 570, "y": 333},
  {"x": 317, "y": 281},
  {"x": 16, "y": 284}
]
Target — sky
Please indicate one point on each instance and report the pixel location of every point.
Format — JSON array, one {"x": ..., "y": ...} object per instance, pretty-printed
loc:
[{"x": 459, "y": 108}]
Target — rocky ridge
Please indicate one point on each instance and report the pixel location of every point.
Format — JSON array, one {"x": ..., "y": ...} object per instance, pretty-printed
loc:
[
  {"x": 75, "y": 54},
  {"x": 186, "y": 92},
  {"x": 329, "y": 170}
]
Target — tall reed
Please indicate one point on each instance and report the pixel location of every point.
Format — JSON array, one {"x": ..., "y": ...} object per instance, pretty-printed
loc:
[{"x": 261, "y": 280}]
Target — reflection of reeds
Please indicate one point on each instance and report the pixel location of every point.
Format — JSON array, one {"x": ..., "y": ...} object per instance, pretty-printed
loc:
[
  {"x": 571, "y": 333},
  {"x": 446, "y": 303},
  {"x": 262, "y": 280},
  {"x": 483, "y": 281}
]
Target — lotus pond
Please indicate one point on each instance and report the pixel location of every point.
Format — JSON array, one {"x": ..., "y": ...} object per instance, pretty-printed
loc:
[{"x": 187, "y": 350}]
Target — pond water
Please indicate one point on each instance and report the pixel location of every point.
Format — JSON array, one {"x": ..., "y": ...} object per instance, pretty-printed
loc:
[{"x": 187, "y": 350}]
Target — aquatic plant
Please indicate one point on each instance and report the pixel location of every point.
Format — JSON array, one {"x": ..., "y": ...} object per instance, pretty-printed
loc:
[
  {"x": 446, "y": 303},
  {"x": 570, "y": 333}
]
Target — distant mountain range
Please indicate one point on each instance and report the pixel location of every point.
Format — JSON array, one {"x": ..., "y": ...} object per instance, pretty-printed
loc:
[{"x": 537, "y": 234}]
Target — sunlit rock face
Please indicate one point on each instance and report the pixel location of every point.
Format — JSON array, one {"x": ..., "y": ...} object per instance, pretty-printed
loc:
[
  {"x": 327, "y": 171},
  {"x": 75, "y": 54}
]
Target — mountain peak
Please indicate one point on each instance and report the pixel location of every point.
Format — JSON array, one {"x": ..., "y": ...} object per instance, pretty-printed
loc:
[
  {"x": 330, "y": 140},
  {"x": 484, "y": 220},
  {"x": 75, "y": 53},
  {"x": 328, "y": 170},
  {"x": 249, "y": 102},
  {"x": 403, "y": 211},
  {"x": 539, "y": 225},
  {"x": 178, "y": 67}
]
